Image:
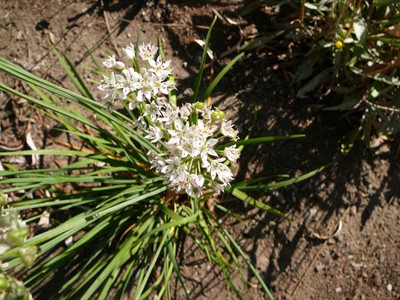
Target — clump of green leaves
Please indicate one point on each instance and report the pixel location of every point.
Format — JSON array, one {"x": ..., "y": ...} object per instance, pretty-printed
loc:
[
  {"x": 349, "y": 53},
  {"x": 119, "y": 230}
]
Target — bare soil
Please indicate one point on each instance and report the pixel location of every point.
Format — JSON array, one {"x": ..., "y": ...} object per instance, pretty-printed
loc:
[{"x": 343, "y": 242}]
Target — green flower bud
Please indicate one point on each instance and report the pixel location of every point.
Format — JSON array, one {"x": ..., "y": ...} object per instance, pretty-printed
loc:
[
  {"x": 217, "y": 115},
  {"x": 199, "y": 105},
  {"x": 17, "y": 291},
  {"x": 17, "y": 236},
  {"x": 221, "y": 115},
  {"x": 27, "y": 255},
  {"x": 5, "y": 221},
  {"x": 3, "y": 199},
  {"x": 3, "y": 283}
]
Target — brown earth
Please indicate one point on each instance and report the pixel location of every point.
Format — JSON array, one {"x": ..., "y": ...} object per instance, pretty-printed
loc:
[{"x": 359, "y": 193}]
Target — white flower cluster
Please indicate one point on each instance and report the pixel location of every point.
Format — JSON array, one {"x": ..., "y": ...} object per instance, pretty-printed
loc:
[
  {"x": 192, "y": 160},
  {"x": 189, "y": 138},
  {"x": 141, "y": 84}
]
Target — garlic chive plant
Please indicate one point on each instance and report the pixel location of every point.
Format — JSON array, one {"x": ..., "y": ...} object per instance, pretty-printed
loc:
[{"x": 140, "y": 183}]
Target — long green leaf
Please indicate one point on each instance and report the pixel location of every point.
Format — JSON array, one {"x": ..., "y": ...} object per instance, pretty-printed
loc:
[
  {"x": 81, "y": 84},
  {"x": 249, "y": 264},
  {"x": 259, "y": 140},
  {"x": 203, "y": 62},
  {"x": 280, "y": 184},
  {"x": 256, "y": 203},
  {"x": 217, "y": 79}
]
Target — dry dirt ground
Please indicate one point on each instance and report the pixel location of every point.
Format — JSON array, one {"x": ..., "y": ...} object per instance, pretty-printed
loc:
[{"x": 359, "y": 193}]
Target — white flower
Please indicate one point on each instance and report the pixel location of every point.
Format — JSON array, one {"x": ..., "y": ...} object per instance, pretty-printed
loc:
[
  {"x": 140, "y": 123},
  {"x": 111, "y": 86},
  {"x": 232, "y": 153},
  {"x": 190, "y": 147},
  {"x": 218, "y": 188},
  {"x": 147, "y": 51},
  {"x": 112, "y": 63},
  {"x": 153, "y": 110},
  {"x": 224, "y": 174},
  {"x": 228, "y": 130},
  {"x": 206, "y": 112},
  {"x": 206, "y": 149},
  {"x": 132, "y": 105},
  {"x": 160, "y": 68},
  {"x": 170, "y": 165},
  {"x": 166, "y": 87},
  {"x": 130, "y": 51},
  {"x": 157, "y": 85},
  {"x": 174, "y": 151},
  {"x": 156, "y": 161},
  {"x": 185, "y": 111},
  {"x": 178, "y": 133},
  {"x": 131, "y": 81},
  {"x": 220, "y": 170},
  {"x": 206, "y": 129},
  {"x": 147, "y": 87},
  {"x": 175, "y": 172},
  {"x": 169, "y": 115},
  {"x": 194, "y": 184},
  {"x": 155, "y": 134},
  {"x": 178, "y": 178}
]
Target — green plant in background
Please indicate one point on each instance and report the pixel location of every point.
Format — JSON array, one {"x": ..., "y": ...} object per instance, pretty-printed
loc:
[
  {"x": 352, "y": 57},
  {"x": 146, "y": 172}
]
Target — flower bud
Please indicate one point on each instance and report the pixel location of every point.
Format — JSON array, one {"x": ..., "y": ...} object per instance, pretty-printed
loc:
[
  {"x": 17, "y": 236},
  {"x": 3, "y": 199},
  {"x": 217, "y": 115},
  {"x": 27, "y": 255},
  {"x": 17, "y": 291},
  {"x": 5, "y": 221},
  {"x": 3, "y": 283},
  {"x": 199, "y": 105}
]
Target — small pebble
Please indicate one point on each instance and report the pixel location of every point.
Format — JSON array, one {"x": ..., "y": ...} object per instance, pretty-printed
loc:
[
  {"x": 389, "y": 287},
  {"x": 319, "y": 267},
  {"x": 338, "y": 290},
  {"x": 353, "y": 210},
  {"x": 331, "y": 241},
  {"x": 356, "y": 265}
]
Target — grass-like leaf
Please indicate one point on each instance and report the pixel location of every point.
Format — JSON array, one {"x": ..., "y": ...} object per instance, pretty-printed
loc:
[{"x": 203, "y": 62}]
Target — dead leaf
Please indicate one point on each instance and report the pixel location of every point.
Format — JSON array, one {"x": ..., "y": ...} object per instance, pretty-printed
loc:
[
  {"x": 44, "y": 221},
  {"x": 202, "y": 43},
  {"x": 52, "y": 37},
  {"x": 327, "y": 237},
  {"x": 31, "y": 144}
]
